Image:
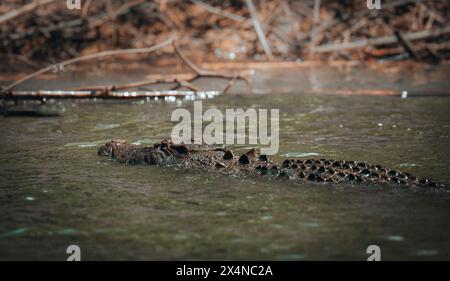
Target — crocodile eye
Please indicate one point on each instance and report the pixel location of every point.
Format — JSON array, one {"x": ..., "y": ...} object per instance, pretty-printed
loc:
[{"x": 263, "y": 157}]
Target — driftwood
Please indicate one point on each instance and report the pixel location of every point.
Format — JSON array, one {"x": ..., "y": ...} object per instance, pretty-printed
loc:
[
  {"x": 116, "y": 91},
  {"x": 85, "y": 58},
  {"x": 199, "y": 73},
  {"x": 179, "y": 82},
  {"x": 43, "y": 95}
]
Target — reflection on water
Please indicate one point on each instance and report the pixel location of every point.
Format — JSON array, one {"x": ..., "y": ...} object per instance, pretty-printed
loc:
[{"x": 56, "y": 192}]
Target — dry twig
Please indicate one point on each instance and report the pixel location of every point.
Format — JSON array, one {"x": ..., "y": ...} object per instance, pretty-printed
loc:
[
  {"x": 259, "y": 30},
  {"x": 113, "y": 91},
  {"x": 88, "y": 57},
  {"x": 25, "y": 9}
]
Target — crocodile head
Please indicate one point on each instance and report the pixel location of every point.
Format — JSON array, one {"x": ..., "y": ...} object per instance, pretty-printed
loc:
[
  {"x": 164, "y": 152},
  {"x": 112, "y": 148}
]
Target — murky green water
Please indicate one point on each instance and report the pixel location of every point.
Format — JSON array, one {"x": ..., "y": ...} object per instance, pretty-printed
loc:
[{"x": 55, "y": 191}]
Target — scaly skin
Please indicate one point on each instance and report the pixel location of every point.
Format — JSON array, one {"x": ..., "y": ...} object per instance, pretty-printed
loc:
[{"x": 250, "y": 163}]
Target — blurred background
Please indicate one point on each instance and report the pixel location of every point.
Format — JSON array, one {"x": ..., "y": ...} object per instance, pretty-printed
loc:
[{"x": 230, "y": 30}]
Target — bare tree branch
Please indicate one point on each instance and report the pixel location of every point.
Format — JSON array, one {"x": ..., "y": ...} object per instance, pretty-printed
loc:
[
  {"x": 218, "y": 11},
  {"x": 89, "y": 57},
  {"x": 259, "y": 29},
  {"x": 23, "y": 10}
]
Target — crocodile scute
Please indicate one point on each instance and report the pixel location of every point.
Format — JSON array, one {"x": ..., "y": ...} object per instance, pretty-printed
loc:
[{"x": 167, "y": 153}]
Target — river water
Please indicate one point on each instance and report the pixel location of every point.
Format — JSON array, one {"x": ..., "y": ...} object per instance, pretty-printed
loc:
[{"x": 55, "y": 191}]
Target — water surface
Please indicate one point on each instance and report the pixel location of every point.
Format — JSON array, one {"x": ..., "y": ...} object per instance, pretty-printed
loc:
[{"x": 55, "y": 191}]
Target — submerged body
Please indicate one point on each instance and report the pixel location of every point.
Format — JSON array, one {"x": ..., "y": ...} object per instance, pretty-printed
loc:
[{"x": 251, "y": 163}]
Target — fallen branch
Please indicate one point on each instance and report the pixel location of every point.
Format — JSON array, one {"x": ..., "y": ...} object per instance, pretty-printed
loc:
[
  {"x": 88, "y": 57},
  {"x": 406, "y": 44},
  {"x": 117, "y": 91},
  {"x": 127, "y": 86},
  {"x": 230, "y": 84},
  {"x": 113, "y": 94},
  {"x": 180, "y": 83},
  {"x": 359, "y": 44},
  {"x": 199, "y": 73}
]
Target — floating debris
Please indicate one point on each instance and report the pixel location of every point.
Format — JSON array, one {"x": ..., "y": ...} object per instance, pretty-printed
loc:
[{"x": 169, "y": 95}]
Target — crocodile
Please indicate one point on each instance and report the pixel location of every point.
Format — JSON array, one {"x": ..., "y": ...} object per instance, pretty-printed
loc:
[{"x": 250, "y": 163}]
